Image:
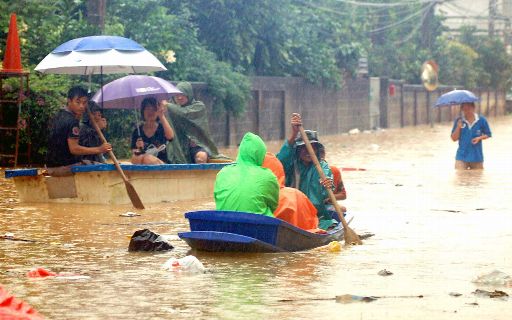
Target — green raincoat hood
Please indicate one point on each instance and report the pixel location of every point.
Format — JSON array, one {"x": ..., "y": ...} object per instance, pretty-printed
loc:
[
  {"x": 186, "y": 88},
  {"x": 245, "y": 185},
  {"x": 252, "y": 150}
]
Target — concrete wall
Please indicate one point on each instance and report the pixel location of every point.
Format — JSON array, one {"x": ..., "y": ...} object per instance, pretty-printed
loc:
[
  {"x": 412, "y": 105},
  {"x": 360, "y": 103}
]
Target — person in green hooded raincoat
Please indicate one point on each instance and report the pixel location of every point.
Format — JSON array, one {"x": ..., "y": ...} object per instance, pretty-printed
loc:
[
  {"x": 301, "y": 173},
  {"x": 246, "y": 185},
  {"x": 190, "y": 123}
]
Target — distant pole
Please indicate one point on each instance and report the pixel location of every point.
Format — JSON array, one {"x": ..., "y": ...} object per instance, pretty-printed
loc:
[
  {"x": 492, "y": 17},
  {"x": 426, "y": 28},
  {"x": 96, "y": 10}
]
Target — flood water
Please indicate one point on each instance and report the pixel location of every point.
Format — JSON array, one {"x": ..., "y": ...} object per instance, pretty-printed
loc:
[{"x": 435, "y": 229}]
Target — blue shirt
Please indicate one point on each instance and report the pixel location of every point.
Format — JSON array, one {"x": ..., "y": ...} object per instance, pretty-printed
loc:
[{"x": 467, "y": 151}]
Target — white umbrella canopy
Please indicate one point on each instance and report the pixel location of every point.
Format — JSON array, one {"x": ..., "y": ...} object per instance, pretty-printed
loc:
[{"x": 99, "y": 55}]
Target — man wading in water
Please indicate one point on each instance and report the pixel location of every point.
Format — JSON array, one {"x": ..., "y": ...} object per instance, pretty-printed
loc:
[{"x": 470, "y": 130}]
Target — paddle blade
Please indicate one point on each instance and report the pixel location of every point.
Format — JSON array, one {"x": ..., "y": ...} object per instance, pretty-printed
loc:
[
  {"x": 134, "y": 197},
  {"x": 351, "y": 238}
]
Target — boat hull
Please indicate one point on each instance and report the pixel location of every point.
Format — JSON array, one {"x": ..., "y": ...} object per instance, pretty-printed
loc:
[
  {"x": 102, "y": 184},
  {"x": 219, "y": 231}
]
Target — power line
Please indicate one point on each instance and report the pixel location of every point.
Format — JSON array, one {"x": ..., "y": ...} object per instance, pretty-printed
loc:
[
  {"x": 397, "y": 23},
  {"x": 387, "y": 5}
]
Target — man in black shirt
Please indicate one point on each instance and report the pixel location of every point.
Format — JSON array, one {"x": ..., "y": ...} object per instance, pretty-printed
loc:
[{"x": 63, "y": 147}]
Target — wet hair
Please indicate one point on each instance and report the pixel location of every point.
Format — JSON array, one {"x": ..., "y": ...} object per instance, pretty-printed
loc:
[
  {"x": 77, "y": 91},
  {"x": 321, "y": 151},
  {"x": 93, "y": 107},
  {"x": 147, "y": 102}
]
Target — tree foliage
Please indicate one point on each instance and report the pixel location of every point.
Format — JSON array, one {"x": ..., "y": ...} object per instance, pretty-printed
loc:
[{"x": 222, "y": 42}]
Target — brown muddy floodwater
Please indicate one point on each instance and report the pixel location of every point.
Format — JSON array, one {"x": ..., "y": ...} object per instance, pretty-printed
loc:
[{"x": 435, "y": 229}]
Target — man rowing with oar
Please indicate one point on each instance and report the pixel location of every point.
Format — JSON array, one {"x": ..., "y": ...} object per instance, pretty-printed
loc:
[
  {"x": 64, "y": 150},
  {"x": 301, "y": 172}
]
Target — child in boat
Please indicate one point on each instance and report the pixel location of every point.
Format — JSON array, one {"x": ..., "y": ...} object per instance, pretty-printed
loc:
[
  {"x": 339, "y": 188},
  {"x": 301, "y": 173},
  {"x": 64, "y": 150},
  {"x": 293, "y": 206},
  {"x": 88, "y": 136},
  {"x": 150, "y": 139},
  {"x": 245, "y": 185}
]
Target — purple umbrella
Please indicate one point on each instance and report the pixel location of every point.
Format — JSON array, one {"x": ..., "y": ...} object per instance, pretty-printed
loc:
[{"x": 128, "y": 92}]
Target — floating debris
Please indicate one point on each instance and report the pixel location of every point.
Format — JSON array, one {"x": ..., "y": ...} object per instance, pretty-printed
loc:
[
  {"x": 455, "y": 294},
  {"x": 348, "y": 298},
  {"x": 188, "y": 264},
  {"x": 366, "y": 235},
  {"x": 129, "y": 214},
  {"x": 496, "y": 278},
  {"x": 147, "y": 240},
  {"x": 384, "y": 273},
  {"x": 490, "y": 294},
  {"x": 447, "y": 210},
  {"x": 10, "y": 236},
  {"x": 334, "y": 246}
]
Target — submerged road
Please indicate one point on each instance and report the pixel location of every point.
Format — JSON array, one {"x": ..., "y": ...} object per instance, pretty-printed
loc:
[{"x": 435, "y": 229}]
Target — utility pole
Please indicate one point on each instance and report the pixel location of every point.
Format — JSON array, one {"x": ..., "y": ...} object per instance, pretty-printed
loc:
[
  {"x": 492, "y": 17},
  {"x": 426, "y": 27},
  {"x": 96, "y": 12}
]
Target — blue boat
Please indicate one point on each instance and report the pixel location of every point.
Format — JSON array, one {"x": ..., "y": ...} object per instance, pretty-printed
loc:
[{"x": 219, "y": 231}]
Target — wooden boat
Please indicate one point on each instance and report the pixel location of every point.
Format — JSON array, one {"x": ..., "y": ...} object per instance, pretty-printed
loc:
[
  {"x": 101, "y": 184},
  {"x": 248, "y": 232}
]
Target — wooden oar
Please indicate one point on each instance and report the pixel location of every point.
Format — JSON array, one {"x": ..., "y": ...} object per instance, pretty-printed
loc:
[
  {"x": 350, "y": 236},
  {"x": 132, "y": 194}
]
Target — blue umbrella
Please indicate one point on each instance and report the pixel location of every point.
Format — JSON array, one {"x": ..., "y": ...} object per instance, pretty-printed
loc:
[
  {"x": 456, "y": 97},
  {"x": 99, "y": 55}
]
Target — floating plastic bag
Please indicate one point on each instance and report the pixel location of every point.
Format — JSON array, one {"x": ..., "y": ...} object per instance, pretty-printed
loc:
[
  {"x": 14, "y": 308},
  {"x": 147, "y": 240},
  {"x": 43, "y": 273},
  {"x": 494, "y": 278},
  {"x": 40, "y": 273},
  {"x": 187, "y": 264}
]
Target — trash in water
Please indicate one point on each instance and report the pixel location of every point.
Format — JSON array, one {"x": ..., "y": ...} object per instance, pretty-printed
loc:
[
  {"x": 43, "y": 273},
  {"x": 10, "y": 236},
  {"x": 496, "y": 278},
  {"x": 334, "y": 246},
  {"x": 384, "y": 273},
  {"x": 490, "y": 294},
  {"x": 129, "y": 214},
  {"x": 348, "y": 298},
  {"x": 14, "y": 308},
  {"x": 455, "y": 294},
  {"x": 40, "y": 273},
  {"x": 366, "y": 235},
  {"x": 146, "y": 240},
  {"x": 187, "y": 264}
]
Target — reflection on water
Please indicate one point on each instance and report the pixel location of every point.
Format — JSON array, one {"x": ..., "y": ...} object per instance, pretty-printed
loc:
[{"x": 436, "y": 229}]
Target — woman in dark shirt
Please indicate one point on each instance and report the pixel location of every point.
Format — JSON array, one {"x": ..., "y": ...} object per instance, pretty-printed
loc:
[{"x": 149, "y": 140}]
